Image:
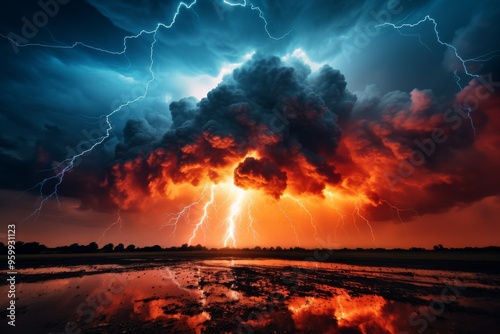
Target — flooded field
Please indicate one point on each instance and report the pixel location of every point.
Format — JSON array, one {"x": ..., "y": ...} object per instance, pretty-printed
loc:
[{"x": 253, "y": 296}]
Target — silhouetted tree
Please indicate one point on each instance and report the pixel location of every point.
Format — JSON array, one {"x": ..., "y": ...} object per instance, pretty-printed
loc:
[
  {"x": 74, "y": 248},
  {"x": 130, "y": 248},
  {"x": 119, "y": 248},
  {"x": 92, "y": 247},
  {"x": 29, "y": 247},
  {"x": 108, "y": 247},
  {"x": 155, "y": 248}
]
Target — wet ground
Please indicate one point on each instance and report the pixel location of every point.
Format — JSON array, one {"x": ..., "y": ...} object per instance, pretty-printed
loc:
[{"x": 252, "y": 296}]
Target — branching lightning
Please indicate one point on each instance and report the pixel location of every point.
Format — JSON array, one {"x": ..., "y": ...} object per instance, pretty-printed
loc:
[
  {"x": 304, "y": 208},
  {"x": 399, "y": 210},
  {"x": 291, "y": 223},
  {"x": 203, "y": 218},
  {"x": 341, "y": 221},
  {"x": 48, "y": 188},
  {"x": 358, "y": 213},
  {"x": 118, "y": 222},
  {"x": 67, "y": 165},
  {"x": 251, "y": 220},
  {"x": 463, "y": 61},
  {"x": 261, "y": 15},
  {"x": 234, "y": 212},
  {"x": 175, "y": 217}
]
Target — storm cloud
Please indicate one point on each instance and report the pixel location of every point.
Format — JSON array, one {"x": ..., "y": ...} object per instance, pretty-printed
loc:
[{"x": 284, "y": 120}]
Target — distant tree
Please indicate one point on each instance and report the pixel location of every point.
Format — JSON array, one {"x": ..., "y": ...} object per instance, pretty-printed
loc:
[
  {"x": 155, "y": 248},
  {"x": 119, "y": 248},
  {"x": 439, "y": 247},
  {"x": 107, "y": 248},
  {"x": 257, "y": 248},
  {"x": 29, "y": 247},
  {"x": 74, "y": 248},
  {"x": 130, "y": 248},
  {"x": 279, "y": 248},
  {"x": 92, "y": 247},
  {"x": 184, "y": 246}
]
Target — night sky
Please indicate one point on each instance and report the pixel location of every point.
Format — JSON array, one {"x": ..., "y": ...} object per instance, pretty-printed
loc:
[{"x": 291, "y": 123}]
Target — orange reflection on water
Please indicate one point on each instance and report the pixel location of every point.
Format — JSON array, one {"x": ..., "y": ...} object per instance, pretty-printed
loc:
[
  {"x": 343, "y": 313},
  {"x": 247, "y": 295}
]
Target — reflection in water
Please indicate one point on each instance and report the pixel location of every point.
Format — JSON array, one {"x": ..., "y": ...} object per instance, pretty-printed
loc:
[
  {"x": 343, "y": 313},
  {"x": 256, "y": 296}
]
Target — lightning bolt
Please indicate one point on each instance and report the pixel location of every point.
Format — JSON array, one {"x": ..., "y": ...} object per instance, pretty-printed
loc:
[
  {"x": 304, "y": 208},
  {"x": 463, "y": 61},
  {"x": 358, "y": 213},
  {"x": 68, "y": 164},
  {"x": 341, "y": 220},
  {"x": 175, "y": 217},
  {"x": 291, "y": 223},
  {"x": 261, "y": 15},
  {"x": 118, "y": 221},
  {"x": 354, "y": 220},
  {"x": 205, "y": 214},
  {"x": 399, "y": 210},
  {"x": 234, "y": 211},
  {"x": 251, "y": 220}
]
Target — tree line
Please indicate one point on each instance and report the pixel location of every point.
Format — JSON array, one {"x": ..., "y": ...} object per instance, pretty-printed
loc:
[{"x": 37, "y": 248}]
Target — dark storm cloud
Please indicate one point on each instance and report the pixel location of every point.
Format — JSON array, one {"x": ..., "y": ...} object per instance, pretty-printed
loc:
[
  {"x": 260, "y": 174},
  {"x": 424, "y": 149},
  {"x": 286, "y": 117}
]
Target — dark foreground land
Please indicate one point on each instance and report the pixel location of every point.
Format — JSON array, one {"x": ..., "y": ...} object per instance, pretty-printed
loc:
[
  {"x": 478, "y": 261},
  {"x": 259, "y": 291}
]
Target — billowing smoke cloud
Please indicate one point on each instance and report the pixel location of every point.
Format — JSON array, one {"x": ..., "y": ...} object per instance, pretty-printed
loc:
[
  {"x": 260, "y": 174},
  {"x": 277, "y": 127},
  {"x": 421, "y": 151},
  {"x": 283, "y": 119}
]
